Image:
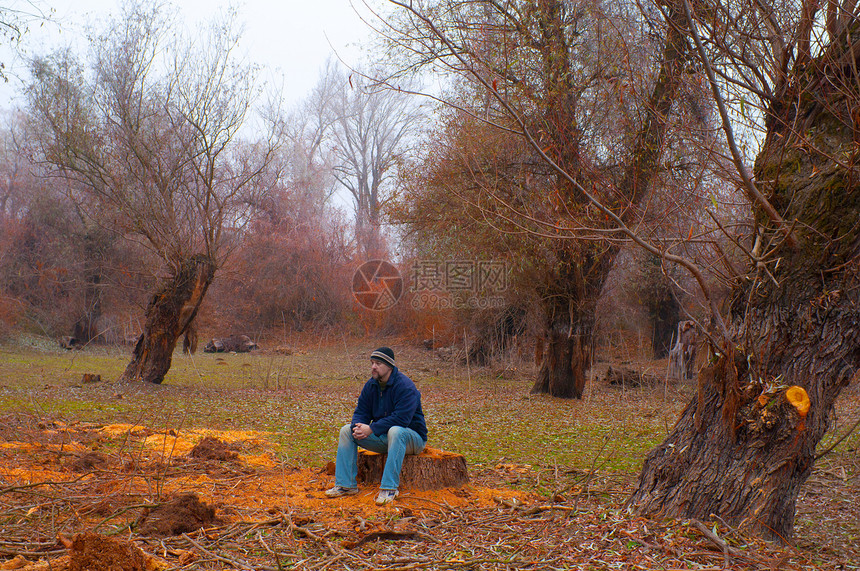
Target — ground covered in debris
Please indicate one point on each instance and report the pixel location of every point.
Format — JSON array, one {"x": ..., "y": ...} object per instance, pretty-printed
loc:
[
  {"x": 225, "y": 467},
  {"x": 88, "y": 496}
]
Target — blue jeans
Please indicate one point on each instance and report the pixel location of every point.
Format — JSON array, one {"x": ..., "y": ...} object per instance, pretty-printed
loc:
[{"x": 399, "y": 442}]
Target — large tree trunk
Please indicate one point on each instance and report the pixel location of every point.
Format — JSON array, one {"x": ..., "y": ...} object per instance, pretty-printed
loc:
[
  {"x": 168, "y": 316},
  {"x": 664, "y": 313},
  {"x": 740, "y": 455},
  {"x": 566, "y": 357},
  {"x": 738, "y": 452},
  {"x": 571, "y": 298},
  {"x": 569, "y": 321},
  {"x": 569, "y": 306},
  {"x": 86, "y": 329},
  {"x": 663, "y": 328}
]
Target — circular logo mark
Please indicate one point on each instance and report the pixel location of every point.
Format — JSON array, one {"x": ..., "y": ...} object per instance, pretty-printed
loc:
[{"x": 377, "y": 285}]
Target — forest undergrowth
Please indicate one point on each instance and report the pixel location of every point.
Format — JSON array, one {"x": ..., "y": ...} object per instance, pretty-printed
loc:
[{"x": 224, "y": 467}]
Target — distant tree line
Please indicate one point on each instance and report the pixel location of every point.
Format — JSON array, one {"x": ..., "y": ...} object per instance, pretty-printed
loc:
[{"x": 126, "y": 179}]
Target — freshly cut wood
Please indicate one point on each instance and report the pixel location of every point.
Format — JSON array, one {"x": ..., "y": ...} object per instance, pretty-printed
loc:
[
  {"x": 798, "y": 398},
  {"x": 431, "y": 470}
]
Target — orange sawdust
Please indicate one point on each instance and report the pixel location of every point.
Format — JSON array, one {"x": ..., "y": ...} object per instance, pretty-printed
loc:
[
  {"x": 264, "y": 460},
  {"x": 180, "y": 442},
  {"x": 34, "y": 447},
  {"x": 118, "y": 430},
  {"x": 302, "y": 490},
  {"x": 254, "y": 487}
]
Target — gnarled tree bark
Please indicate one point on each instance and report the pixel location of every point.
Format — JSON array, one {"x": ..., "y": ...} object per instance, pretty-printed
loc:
[
  {"x": 739, "y": 451},
  {"x": 169, "y": 315},
  {"x": 569, "y": 305}
]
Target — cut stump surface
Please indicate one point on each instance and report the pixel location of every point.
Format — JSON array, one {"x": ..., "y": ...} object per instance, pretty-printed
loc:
[{"x": 433, "y": 469}]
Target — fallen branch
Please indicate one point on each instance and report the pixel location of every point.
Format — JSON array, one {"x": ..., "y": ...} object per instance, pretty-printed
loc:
[
  {"x": 269, "y": 549},
  {"x": 377, "y": 535},
  {"x": 23, "y": 487},
  {"x": 727, "y": 549},
  {"x": 121, "y": 511},
  {"x": 311, "y": 535},
  {"x": 9, "y": 553},
  {"x": 555, "y": 507}
]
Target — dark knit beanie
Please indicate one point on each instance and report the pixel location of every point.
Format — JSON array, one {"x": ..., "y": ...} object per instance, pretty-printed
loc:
[{"x": 385, "y": 355}]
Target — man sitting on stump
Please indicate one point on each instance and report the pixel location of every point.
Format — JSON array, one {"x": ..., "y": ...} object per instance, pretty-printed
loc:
[{"x": 388, "y": 419}]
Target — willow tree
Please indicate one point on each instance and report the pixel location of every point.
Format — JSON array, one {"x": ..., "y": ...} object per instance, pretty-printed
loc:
[
  {"x": 744, "y": 446},
  {"x": 586, "y": 93},
  {"x": 148, "y": 137}
]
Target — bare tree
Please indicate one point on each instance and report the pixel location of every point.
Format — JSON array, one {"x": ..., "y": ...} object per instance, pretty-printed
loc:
[
  {"x": 745, "y": 445},
  {"x": 292, "y": 266},
  {"x": 308, "y": 154},
  {"x": 150, "y": 136},
  {"x": 371, "y": 130},
  {"x": 14, "y": 22},
  {"x": 13, "y": 165},
  {"x": 578, "y": 87},
  {"x": 55, "y": 260}
]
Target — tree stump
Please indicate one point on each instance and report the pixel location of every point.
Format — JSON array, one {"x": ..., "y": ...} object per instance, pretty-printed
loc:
[{"x": 431, "y": 470}]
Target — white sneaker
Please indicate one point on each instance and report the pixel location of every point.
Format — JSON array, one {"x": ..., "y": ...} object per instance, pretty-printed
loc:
[
  {"x": 339, "y": 491},
  {"x": 386, "y": 497}
]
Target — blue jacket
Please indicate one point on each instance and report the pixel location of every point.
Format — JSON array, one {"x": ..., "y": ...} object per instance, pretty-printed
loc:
[{"x": 399, "y": 404}]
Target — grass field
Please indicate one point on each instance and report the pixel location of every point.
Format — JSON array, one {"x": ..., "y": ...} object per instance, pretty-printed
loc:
[
  {"x": 299, "y": 395},
  {"x": 488, "y": 417}
]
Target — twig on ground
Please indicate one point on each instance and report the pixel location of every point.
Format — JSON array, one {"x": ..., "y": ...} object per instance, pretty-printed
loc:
[
  {"x": 234, "y": 562},
  {"x": 727, "y": 549}
]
